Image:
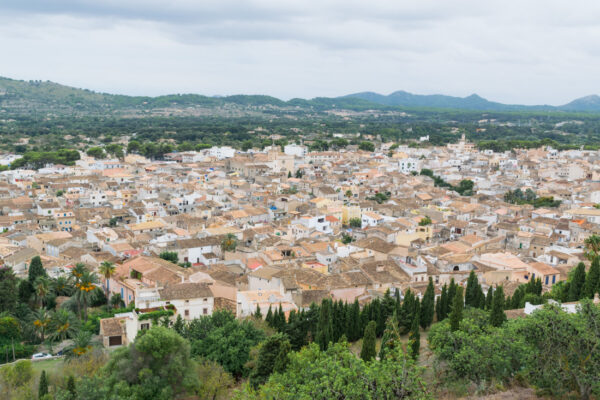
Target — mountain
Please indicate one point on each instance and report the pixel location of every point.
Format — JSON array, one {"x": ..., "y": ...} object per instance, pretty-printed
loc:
[
  {"x": 587, "y": 103},
  {"x": 31, "y": 97}
]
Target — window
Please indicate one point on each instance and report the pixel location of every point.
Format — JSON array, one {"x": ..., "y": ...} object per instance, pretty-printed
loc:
[
  {"x": 553, "y": 278},
  {"x": 186, "y": 313},
  {"x": 547, "y": 278},
  {"x": 187, "y": 301},
  {"x": 205, "y": 311},
  {"x": 145, "y": 326},
  {"x": 205, "y": 300}
]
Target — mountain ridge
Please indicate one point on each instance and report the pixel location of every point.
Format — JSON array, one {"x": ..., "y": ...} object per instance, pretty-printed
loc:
[{"x": 18, "y": 95}]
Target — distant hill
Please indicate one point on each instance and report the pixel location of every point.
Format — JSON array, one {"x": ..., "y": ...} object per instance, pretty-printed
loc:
[
  {"x": 472, "y": 102},
  {"x": 30, "y": 97}
]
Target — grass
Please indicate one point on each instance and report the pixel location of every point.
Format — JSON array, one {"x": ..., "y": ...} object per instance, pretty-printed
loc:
[{"x": 53, "y": 365}]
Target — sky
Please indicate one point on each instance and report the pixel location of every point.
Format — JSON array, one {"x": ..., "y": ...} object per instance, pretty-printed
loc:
[{"x": 517, "y": 52}]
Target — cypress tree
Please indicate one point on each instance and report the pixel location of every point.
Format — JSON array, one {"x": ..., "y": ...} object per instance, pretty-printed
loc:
[
  {"x": 179, "y": 325},
  {"x": 427, "y": 306},
  {"x": 269, "y": 317},
  {"x": 538, "y": 286},
  {"x": 592, "y": 279},
  {"x": 577, "y": 283},
  {"x": 497, "y": 316},
  {"x": 325, "y": 325},
  {"x": 367, "y": 352},
  {"x": 517, "y": 298},
  {"x": 470, "y": 296},
  {"x": 257, "y": 313},
  {"x": 43, "y": 386},
  {"x": 415, "y": 335},
  {"x": 480, "y": 297},
  {"x": 71, "y": 388},
  {"x": 406, "y": 313},
  {"x": 456, "y": 313},
  {"x": 489, "y": 298},
  {"x": 451, "y": 295},
  {"x": 391, "y": 337},
  {"x": 36, "y": 269},
  {"x": 438, "y": 309},
  {"x": 353, "y": 324},
  {"x": 443, "y": 303}
]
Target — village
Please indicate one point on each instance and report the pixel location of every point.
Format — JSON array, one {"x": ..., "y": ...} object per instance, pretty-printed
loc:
[{"x": 285, "y": 227}]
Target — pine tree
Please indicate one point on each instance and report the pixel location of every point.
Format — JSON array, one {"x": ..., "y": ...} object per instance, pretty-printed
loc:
[
  {"x": 456, "y": 313},
  {"x": 43, "y": 386},
  {"x": 415, "y": 335},
  {"x": 427, "y": 306},
  {"x": 36, "y": 269},
  {"x": 592, "y": 279},
  {"x": 391, "y": 337},
  {"x": 367, "y": 352},
  {"x": 497, "y": 316},
  {"x": 257, "y": 313},
  {"x": 71, "y": 388},
  {"x": 325, "y": 325},
  {"x": 577, "y": 282},
  {"x": 489, "y": 298},
  {"x": 353, "y": 322}
]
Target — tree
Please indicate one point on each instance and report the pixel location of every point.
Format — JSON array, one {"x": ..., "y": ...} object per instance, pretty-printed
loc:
[
  {"x": 565, "y": 346},
  {"x": 346, "y": 239},
  {"x": 41, "y": 322},
  {"x": 592, "y": 280},
  {"x": 325, "y": 325},
  {"x": 96, "y": 152},
  {"x": 71, "y": 388},
  {"x": 355, "y": 222},
  {"x": 441, "y": 313},
  {"x": 107, "y": 270},
  {"x": 489, "y": 299},
  {"x": 36, "y": 269},
  {"x": 390, "y": 340},
  {"x": 272, "y": 357},
  {"x": 214, "y": 382},
  {"x": 457, "y": 309},
  {"x": 85, "y": 285},
  {"x": 41, "y": 288},
  {"x": 367, "y": 352},
  {"x": 170, "y": 256},
  {"x": 229, "y": 243},
  {"x": 257, "y": 314},
  {"x": 9, "y": 292},
  {"x": 577, "y": 283},
  {"x": 337, "y": 374},
  {"x": 425, "y": 221},
  {"x": 157, "y": 365},
  {"x": 497, "y": 315},
  {"x": 43, "y": 385},
  {"x": 415, "y": 335},
  {"x": 63, "y": 325},
  {"x": 116, "y": 301},
  {"x": 427, "y": 306},
  {"x": 592, "y": 244},
  {"x": 366, "y": 146},
  {"x": 353, "y": 322}
]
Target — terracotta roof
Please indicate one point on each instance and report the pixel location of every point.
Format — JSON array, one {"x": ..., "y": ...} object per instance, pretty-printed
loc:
[{"x": 185, "y": 290}]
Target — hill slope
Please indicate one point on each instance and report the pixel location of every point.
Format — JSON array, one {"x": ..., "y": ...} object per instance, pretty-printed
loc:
[{"x": 31, "y": 97}]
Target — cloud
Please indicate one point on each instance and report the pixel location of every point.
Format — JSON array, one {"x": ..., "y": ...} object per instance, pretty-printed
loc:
[{"x": 519, "y": 52}]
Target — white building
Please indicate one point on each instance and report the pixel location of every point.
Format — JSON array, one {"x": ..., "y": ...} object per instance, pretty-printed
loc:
[{"x": 295, "y": 150}]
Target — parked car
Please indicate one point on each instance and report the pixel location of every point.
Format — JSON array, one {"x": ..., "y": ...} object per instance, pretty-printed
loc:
[{"x": 41, "y": 356}]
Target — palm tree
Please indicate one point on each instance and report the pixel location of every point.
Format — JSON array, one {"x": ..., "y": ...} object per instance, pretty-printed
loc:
[
  {"x": 85, "y": 286},
  {"x": 41, "y": 321},
  {"x": 82, "y": 344},
  {"x": 107, "y": 270},
  {"x": 63, "y": 325},
  {"x": 62, "y": 286},
  {"x": 77, "y": 273},
  {"x": 41, "y": 288},
  {"x": 592, "y": 244},
  {"x": 229, "y": 243}
]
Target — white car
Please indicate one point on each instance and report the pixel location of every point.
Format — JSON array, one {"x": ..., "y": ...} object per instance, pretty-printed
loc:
[{"x": 41, "y": 356}]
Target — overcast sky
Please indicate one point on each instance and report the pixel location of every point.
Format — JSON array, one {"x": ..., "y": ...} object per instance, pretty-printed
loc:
[{"x": 524, "y": 51}]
